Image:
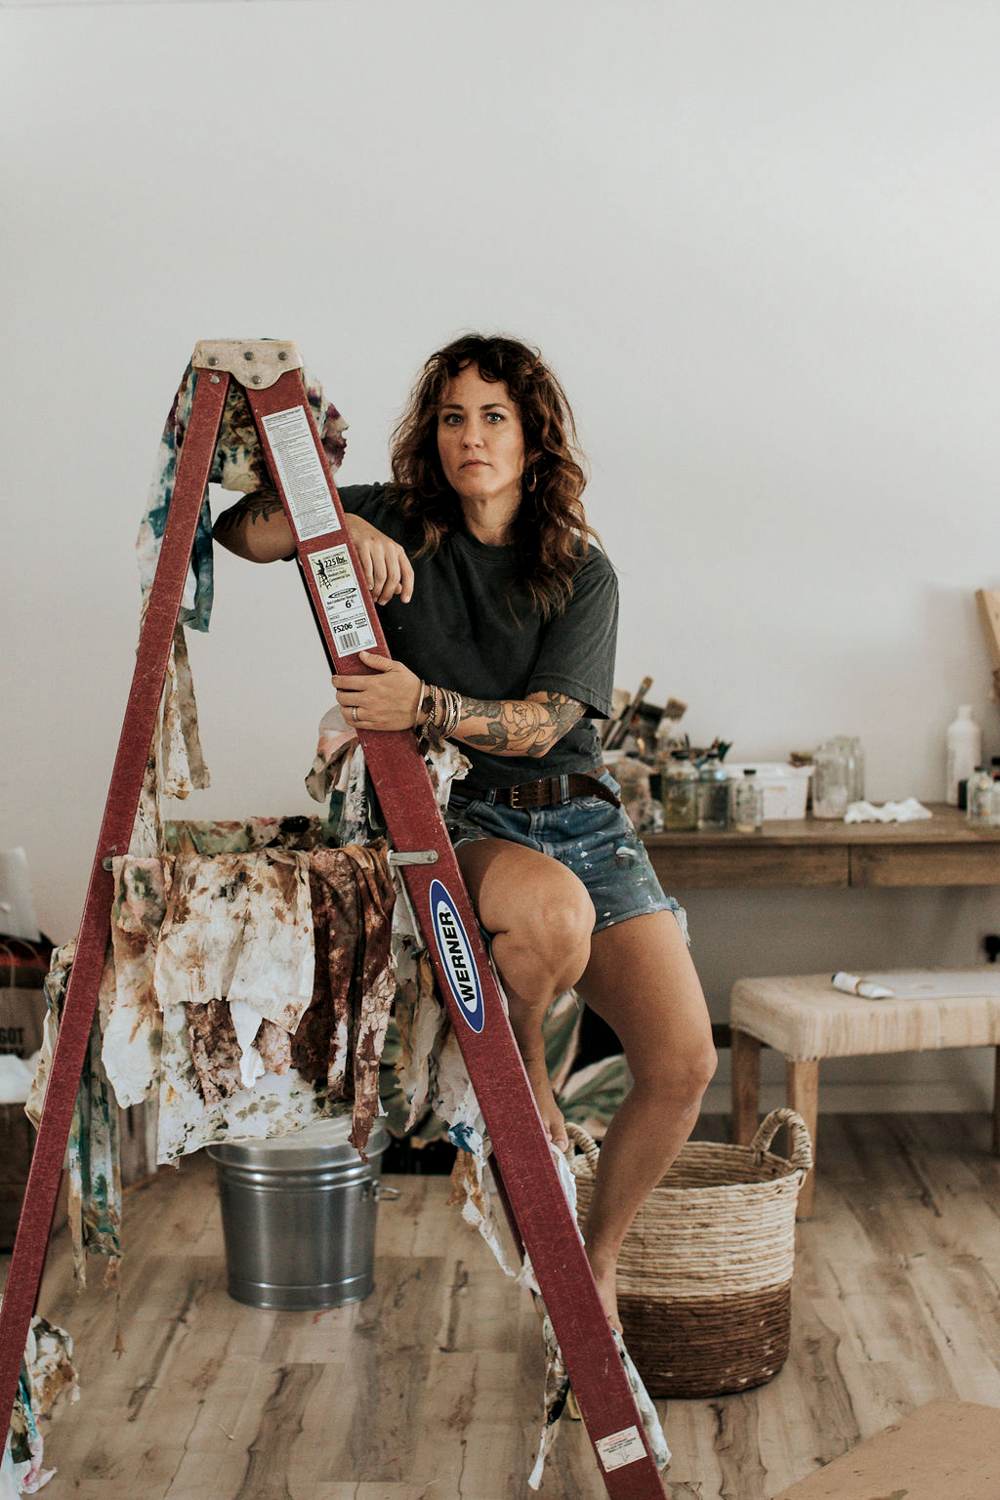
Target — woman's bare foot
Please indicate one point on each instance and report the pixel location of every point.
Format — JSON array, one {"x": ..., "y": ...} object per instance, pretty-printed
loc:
[{"x": 541, "y": 1087}]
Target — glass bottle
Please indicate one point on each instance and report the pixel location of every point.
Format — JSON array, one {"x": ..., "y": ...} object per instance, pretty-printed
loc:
[
  {"x": 748, "y": 802},
  {"x": 829, "y": 781},
  {"x": 679, "y": 792},
  {"x": 713, "y": 795},
  {"x": 963, "y": 750},
  {"x": 979, "y": 796}
]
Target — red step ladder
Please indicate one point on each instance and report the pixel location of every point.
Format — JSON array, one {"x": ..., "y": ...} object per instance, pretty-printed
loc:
[{"x": 348, "y": 623}]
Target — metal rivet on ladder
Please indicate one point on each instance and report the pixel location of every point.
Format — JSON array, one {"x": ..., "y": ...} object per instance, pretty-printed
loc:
[
  {"x": 282, "y": 354},
  {"x": 248, "y": 354},
  {"x": 256, "y": 380},
  {"x": 214, "y": 380},
  {"x": 212, "y": 359}
]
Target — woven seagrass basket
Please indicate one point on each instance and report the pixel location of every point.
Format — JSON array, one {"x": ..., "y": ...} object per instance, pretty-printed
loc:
[{"x": 705, "y": 1273}]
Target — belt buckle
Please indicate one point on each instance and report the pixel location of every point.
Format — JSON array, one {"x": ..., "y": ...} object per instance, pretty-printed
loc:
[{"x": 515, "y": 796}]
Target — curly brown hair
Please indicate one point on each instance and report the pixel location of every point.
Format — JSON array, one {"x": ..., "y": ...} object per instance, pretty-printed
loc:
[{"x": 550, "y": 531}]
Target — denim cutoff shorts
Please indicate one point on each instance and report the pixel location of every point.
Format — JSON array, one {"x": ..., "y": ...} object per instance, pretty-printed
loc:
[{"x": 588, "y": 835}]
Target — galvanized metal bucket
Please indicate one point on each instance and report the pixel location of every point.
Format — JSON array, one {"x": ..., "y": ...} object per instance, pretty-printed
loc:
[{"x": 298, "y": 1216}]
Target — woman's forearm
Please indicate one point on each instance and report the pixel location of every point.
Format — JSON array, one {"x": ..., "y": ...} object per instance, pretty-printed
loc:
[
  {"x": 506, "y": 726},
  {"x": 391, "y": 696},
  {"x": 256, "y": 528}
]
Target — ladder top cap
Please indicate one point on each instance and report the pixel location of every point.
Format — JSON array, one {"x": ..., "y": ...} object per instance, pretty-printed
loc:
[{"x": 256, "y": 363}]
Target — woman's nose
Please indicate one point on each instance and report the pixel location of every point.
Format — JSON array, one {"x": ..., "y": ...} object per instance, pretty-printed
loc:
[{"x": 472, "y": 436}]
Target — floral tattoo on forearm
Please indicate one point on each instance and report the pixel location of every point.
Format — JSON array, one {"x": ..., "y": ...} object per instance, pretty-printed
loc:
[{"x": 518, "y": 727}]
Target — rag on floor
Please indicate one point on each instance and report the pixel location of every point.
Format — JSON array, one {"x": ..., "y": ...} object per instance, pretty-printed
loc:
[{"x": 47, "y": 1378}]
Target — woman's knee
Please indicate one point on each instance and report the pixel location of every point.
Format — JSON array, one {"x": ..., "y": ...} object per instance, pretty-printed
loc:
[
  {"x": 552, "y": 922},
  {"x": 681, "y": 1074},
  {"x": 539, "y": 914},
  {"x": 561, "y": 918}
]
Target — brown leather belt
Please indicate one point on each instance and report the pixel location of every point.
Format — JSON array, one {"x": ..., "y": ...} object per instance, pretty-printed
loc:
[{"x": 549, "y": 792}]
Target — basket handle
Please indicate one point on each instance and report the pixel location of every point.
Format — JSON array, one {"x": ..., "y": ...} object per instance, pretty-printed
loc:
[
  {"x": 801, "y": 1157},
  {"x": 585, "y": 1141}
]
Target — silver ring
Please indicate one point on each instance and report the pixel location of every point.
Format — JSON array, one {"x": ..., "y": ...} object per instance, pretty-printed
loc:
[{"x": 354, "y": 713}]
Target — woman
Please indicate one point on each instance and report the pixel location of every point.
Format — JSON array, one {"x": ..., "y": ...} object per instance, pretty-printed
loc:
[{"x": 508, "y": 650}]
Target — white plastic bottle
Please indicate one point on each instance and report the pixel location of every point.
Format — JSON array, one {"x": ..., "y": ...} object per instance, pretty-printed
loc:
[{"x": 964, "y": 751}]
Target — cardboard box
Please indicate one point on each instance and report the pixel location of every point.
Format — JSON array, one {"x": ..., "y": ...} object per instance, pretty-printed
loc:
[
  {"x": 947, "y": 1450},
  {"x": 22, "y": 1010},
  {"x": 17, "y": 1139}
]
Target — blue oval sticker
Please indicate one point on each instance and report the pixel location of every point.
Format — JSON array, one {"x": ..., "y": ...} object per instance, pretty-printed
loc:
[{"x": 456, "y": 956}]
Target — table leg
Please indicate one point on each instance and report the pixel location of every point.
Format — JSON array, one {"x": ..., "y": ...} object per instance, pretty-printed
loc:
[
  {"x": 803, "y": 1096},
  {"x": 996, "y": 1103},
  {"x": 745, "y": 1062}
]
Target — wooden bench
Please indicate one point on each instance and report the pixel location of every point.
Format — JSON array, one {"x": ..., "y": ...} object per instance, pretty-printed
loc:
[{"x": 805, "y": 1019}]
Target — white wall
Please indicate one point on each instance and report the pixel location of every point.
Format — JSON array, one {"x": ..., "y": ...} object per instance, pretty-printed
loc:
[{"x": 758, "y": 242}]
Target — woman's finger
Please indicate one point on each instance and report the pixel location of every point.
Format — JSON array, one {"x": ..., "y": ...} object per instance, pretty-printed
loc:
[
  {"x": 364, "y": 558},
  {"x": 405, "y": 577},
  {"x": 378, "y": 571},
  {"x": 391, "y": 579}
]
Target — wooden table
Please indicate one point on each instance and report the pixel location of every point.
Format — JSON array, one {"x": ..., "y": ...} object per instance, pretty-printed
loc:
[{"x": 812, "y": 852}]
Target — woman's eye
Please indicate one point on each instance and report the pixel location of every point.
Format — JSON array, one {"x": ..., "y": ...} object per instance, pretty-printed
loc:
[
  {"x": 494, "y": 416},
  {"x": 451, "y": 419}
]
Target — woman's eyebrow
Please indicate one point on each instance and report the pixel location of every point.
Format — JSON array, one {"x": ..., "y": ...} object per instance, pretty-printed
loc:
[{"x": 454, "y": 406}]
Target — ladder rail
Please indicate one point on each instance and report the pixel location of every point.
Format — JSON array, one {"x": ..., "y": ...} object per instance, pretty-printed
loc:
[
  {"x": 521, "y": 1149},
  {"x": 138, "y": 726}
]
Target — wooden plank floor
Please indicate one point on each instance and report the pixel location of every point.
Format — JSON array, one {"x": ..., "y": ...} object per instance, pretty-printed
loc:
[{"x": 430, "y": 1389}]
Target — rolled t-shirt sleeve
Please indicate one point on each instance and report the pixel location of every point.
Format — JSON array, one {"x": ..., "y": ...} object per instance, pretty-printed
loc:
[{"x": 577, "y": 654}]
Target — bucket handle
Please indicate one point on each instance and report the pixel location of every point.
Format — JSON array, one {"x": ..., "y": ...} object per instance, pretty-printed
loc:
[{"x": 801, "y": 1157}]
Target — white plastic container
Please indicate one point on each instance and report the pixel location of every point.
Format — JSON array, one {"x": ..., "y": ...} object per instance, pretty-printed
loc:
[
  {"x": 963, "y": 752},
  {"x": 783, "y": 787}
]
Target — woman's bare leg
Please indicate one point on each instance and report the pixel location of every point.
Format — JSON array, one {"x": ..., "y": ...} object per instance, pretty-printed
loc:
[
  {"x": 641, "y": 980},
  {"x": 540, "y": 918}
]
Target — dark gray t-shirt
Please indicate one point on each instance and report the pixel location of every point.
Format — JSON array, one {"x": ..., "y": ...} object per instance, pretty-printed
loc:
[{"x": 460, "y": 632}]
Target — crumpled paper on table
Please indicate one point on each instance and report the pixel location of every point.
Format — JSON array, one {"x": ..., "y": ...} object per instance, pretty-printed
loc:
[{"x": 908, "y": 811}]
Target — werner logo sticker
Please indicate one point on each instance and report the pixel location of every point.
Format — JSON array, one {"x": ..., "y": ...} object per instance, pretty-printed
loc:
[{"x": 456, "y": 955}]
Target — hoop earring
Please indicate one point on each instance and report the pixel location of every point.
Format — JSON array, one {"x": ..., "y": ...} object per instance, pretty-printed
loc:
[{"x": 532, "y": 483}]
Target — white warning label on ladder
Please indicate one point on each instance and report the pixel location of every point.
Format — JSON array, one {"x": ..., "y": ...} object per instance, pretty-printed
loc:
[
  {"x": 620, "y": 1448},
  {"x": 342, "y": 602},
  {"x": 300, "y": 469}
]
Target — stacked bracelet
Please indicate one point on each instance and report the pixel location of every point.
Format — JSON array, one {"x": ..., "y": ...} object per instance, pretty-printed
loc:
[
  {"x": 452, "y": 712},
  {"x": 438, "y": 713}
]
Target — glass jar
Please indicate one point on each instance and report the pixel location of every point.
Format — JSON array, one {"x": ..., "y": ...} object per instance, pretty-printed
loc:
[
  {"x": 748, "y": 802},
  {"x": 713, "y": 795},
  {"x": 979, "y": 797},
  {"x": 679, "y": 792},
  {"x": 830, "y": 785},
  {"x": 854, "y": 760},
  {"x": 994, "y": 814}
]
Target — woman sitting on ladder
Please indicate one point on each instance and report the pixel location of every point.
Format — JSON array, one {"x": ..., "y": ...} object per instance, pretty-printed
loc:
[{"x": 508, "y": 649}]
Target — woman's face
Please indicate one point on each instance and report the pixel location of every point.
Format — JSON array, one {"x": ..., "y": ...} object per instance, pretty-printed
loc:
[{"x": 480, "y": 440}]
